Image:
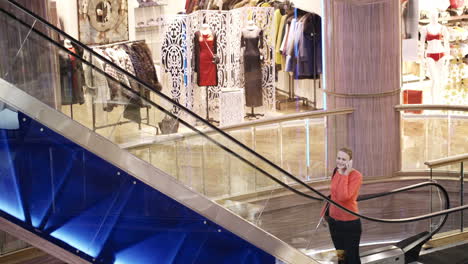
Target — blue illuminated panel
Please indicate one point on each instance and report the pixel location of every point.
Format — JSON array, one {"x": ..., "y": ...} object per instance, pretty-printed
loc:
[{"x": 71, "y": 197}]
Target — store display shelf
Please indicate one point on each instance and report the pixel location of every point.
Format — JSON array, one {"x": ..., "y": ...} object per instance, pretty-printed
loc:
[
  {"x": 448, "y": 19},
  {"x": 458, "y": 40},
  {"x": 147, "y": 28},
  {"x": 151, "y": 4}
]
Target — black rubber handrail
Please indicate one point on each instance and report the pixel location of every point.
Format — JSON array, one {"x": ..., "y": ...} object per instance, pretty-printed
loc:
[{"x": 323, "y": 197}]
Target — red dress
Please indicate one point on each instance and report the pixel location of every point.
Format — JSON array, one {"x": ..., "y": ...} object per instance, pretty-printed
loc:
[
  {"x": 456, "y": 3},
  {"x": 206, "y": 69}
]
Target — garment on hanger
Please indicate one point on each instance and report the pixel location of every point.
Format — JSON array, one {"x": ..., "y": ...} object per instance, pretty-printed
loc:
[
  {"x": 96, "y": 82},
  {"x": 241, "y": 4},
  {"x": 203, "y": 4},
  {"x": 71, "y": 78},
  {"x": 279, "y": 39},
  {"x": 115, "y": 96},
  {"x": 205, "y": 49},
  {"x": 145, "y": 66},
  {"x": 252, "y": 42},
  {"x": 284, "y": 43},
  {"x": 125, "y": 63},
  {"x": 276, "y": 23},
  {"x": 192, "y": 6},
  {"x": 134, "y": 58},
  {"x": 130, "y": 100},
  {"x": 233, "y": 3},
  {"x": 309, "y": 52},
  {"x": 299, "y": 45},
  {"x": 142, "y": 71},
  {"x": 79, "y": 92},
  {"x": 289, "y": 46}
]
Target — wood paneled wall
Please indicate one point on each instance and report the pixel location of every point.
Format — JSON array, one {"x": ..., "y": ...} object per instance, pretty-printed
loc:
[{"x": 362, "y": 47}]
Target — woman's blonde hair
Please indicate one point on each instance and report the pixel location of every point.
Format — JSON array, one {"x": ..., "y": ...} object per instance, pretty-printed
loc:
[{"x": 347, "y": 151}]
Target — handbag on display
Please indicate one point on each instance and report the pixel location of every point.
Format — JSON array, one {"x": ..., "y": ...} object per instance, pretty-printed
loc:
[
  {"x": 215, "y": 59},
  {"x": 169, "y": 125}
]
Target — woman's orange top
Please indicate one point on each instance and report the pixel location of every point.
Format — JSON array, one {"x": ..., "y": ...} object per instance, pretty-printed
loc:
[{"x": 345, "y": 190}]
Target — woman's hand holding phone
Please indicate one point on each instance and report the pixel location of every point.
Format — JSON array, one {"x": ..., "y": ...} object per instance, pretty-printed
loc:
[{"x": 349, "y": 167}]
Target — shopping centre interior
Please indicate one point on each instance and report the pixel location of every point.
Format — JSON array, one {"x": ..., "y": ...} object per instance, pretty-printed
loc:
[{"x": 205, "y": 131}]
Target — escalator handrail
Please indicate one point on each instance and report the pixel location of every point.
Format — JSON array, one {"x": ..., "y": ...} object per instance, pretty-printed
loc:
[{"x": 323, "y": 197}]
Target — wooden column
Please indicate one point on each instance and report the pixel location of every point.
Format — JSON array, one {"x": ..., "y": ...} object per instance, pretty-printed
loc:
[{"x": 362, "y": 47}]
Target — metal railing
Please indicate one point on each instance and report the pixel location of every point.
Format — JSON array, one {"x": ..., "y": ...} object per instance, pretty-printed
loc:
[
  {"x": 458, "y": 159},
  {"x": 430, "y": 132},
  {"x": 414, "y": 107}
]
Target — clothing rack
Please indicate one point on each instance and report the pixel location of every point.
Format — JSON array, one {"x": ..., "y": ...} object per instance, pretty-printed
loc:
[
  {"x": 292, "y": 97},
  {"x": 147, "y": 118},
  {"x": 93, "y": 110}
]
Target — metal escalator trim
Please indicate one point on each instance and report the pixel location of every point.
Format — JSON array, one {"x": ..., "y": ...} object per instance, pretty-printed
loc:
[
  {"x": 149, "y": 174},
  {"x": 40, "y": 243}
]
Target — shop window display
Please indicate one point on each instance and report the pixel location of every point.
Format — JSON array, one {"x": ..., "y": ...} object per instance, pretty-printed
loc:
[
  {"x": 203, "y": 91},
  {"x": 229, "y": 77},
  {"x": 435, "y": 71},
  {"x": 282, "y": 41}
]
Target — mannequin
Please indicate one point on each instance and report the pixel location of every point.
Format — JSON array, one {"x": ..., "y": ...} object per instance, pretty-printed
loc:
[
  {"x": 251, "y": 25},
  {"x": 67, "y": 44},
  {"x": 205, "y": 29},
  {"x": 206, "y": 60},
  {"x": 436, "y": 53},
  {"x": 252, "y": 43}
]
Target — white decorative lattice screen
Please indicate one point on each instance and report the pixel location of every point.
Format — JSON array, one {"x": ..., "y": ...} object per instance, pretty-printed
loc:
[{"x": 177, "y": 53}]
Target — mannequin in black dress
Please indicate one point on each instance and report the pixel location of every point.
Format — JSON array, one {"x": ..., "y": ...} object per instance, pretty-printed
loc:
[{"x": 252, "y": 42}]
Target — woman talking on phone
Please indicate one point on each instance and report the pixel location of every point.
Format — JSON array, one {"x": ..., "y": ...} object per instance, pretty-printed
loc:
[{"x": 345, "y": 228}]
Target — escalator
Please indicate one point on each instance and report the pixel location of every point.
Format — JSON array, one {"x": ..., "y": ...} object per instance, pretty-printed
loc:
[{"x": 69, "y": 189}]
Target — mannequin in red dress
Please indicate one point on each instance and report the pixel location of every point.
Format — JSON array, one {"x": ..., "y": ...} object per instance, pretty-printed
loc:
[
  {"x": 205, "y": 51},
  {"x": 205, "y": 65}
]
